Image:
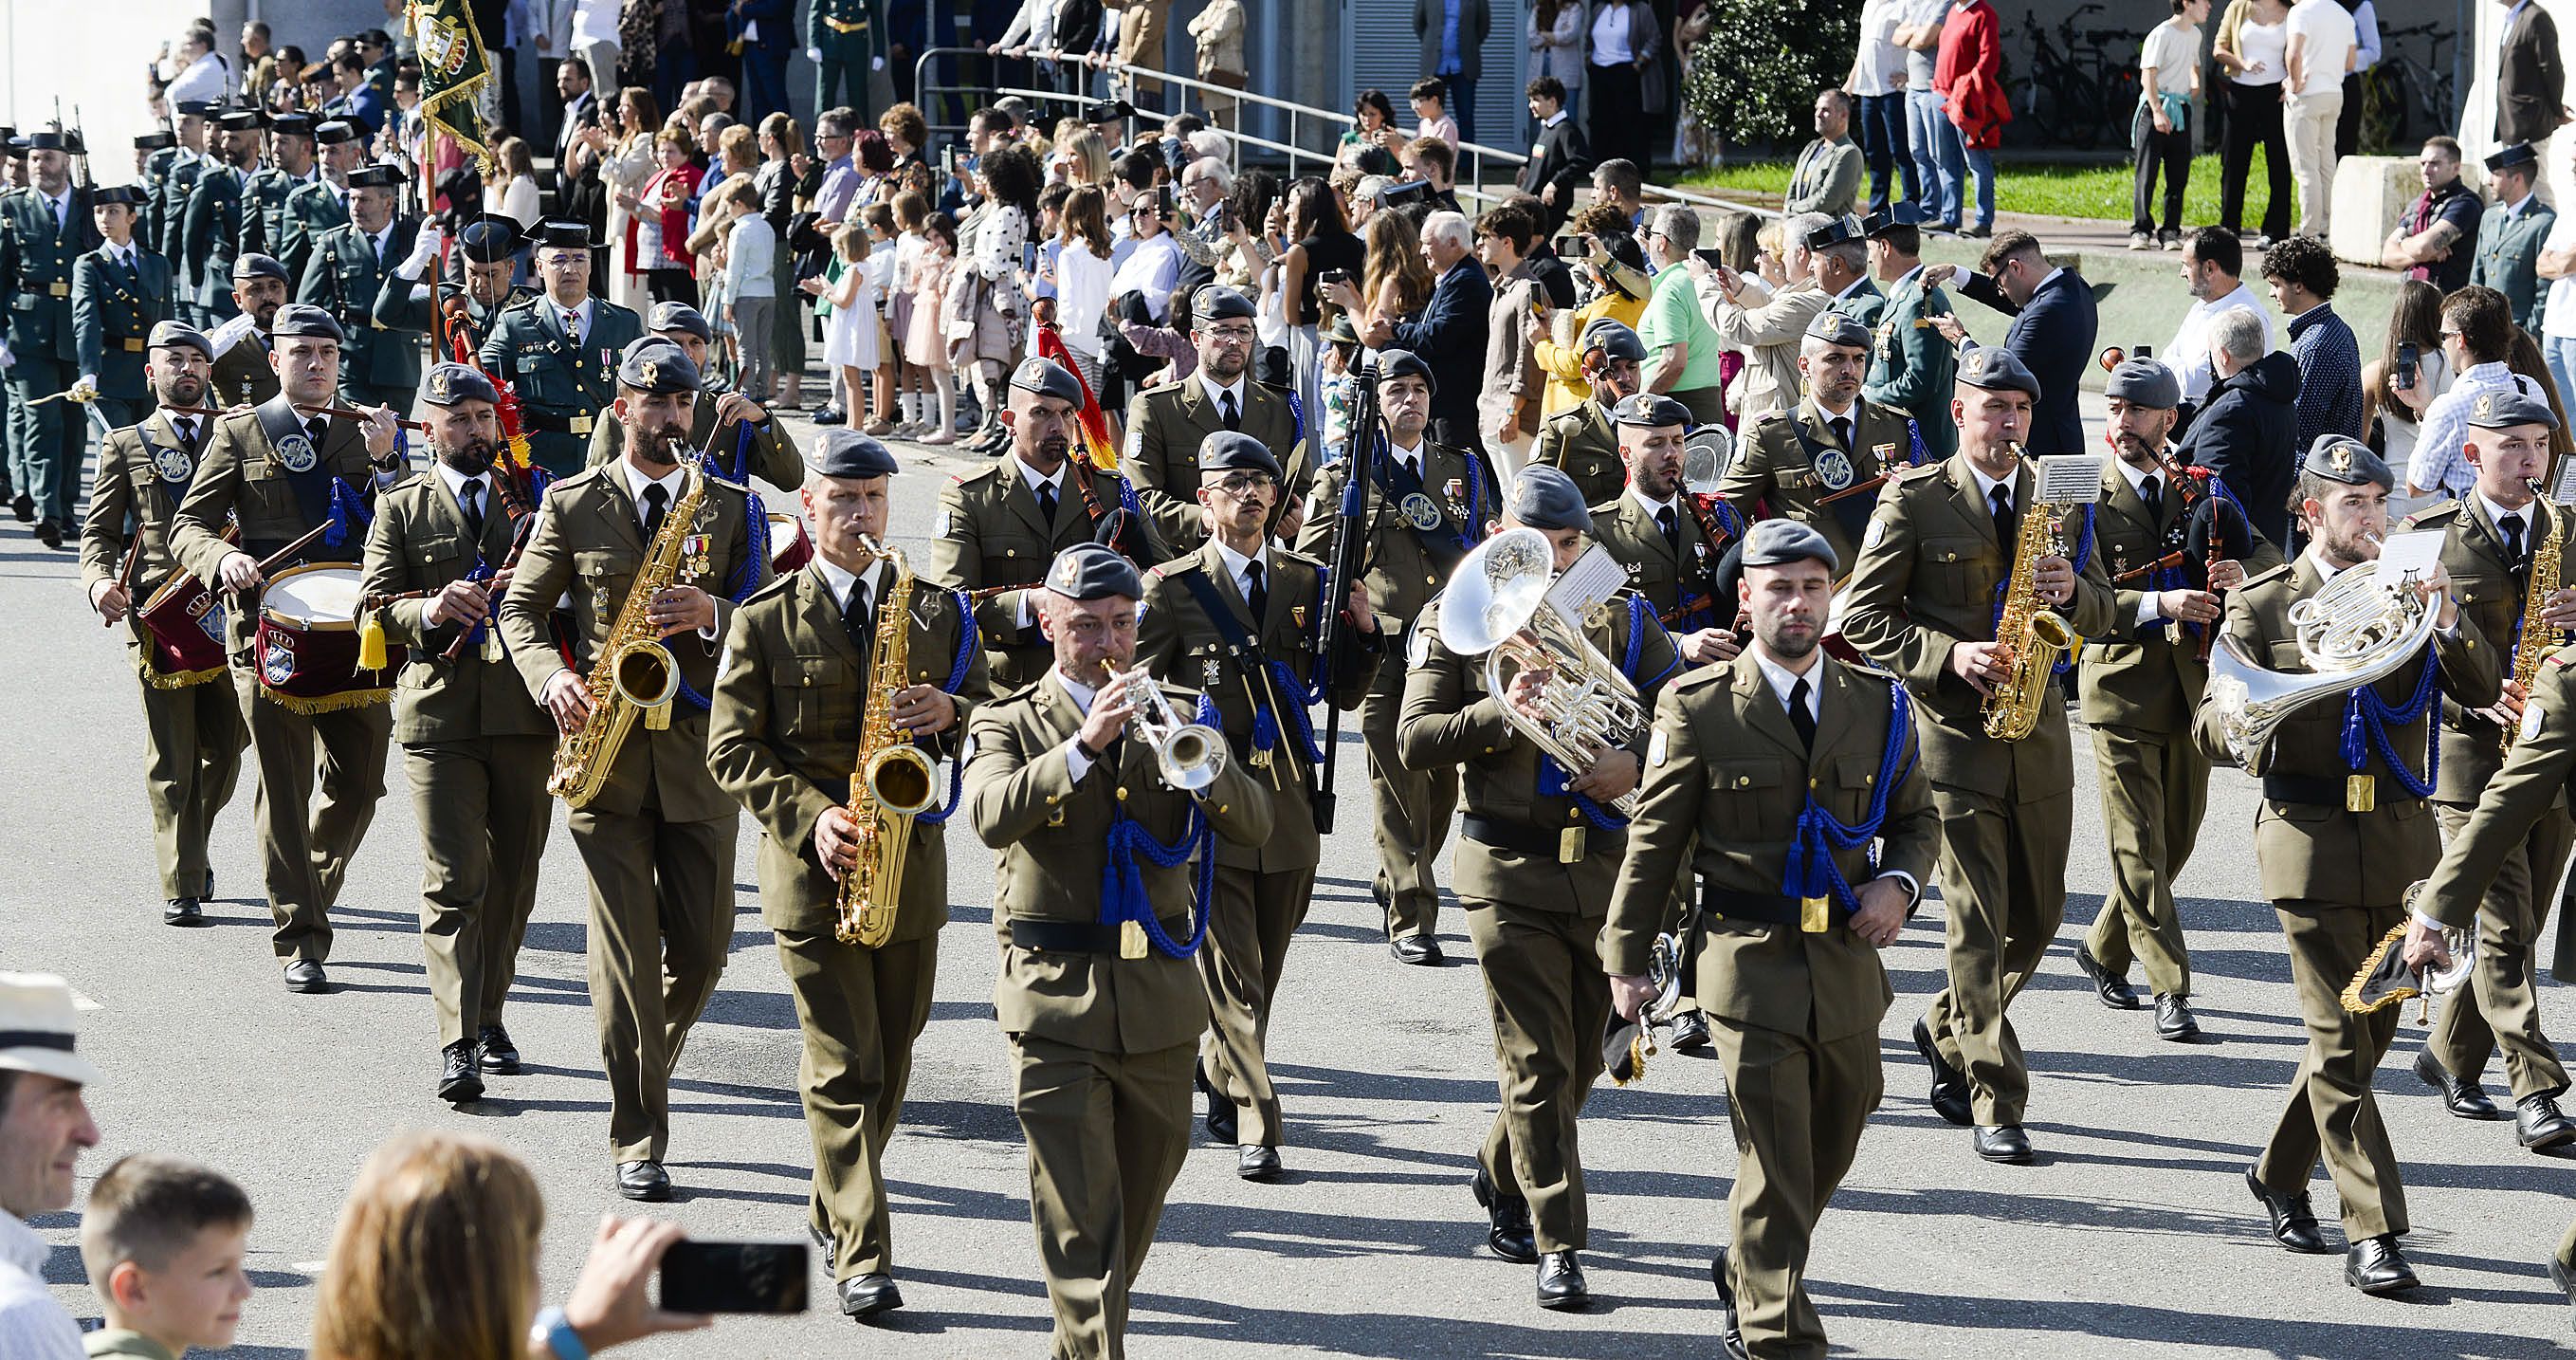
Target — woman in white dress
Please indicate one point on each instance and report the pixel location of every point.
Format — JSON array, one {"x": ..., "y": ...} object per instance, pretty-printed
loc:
[{"x": 624, "y": 171}]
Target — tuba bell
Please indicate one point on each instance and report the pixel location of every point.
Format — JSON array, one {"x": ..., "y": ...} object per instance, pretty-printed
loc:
[
  {"x": 1495, "y": 606},
  {"x": 2350, "y": 634}
]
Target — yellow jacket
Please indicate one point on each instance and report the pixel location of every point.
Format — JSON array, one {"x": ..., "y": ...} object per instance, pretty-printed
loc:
[{"x": 1564, "y": 366}]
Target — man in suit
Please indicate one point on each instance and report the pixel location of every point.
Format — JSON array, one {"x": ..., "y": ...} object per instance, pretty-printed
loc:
[
  {"x": 2489, "y": 540},
  {"x": 120, "y": 292},
  {"x": 1788, "y": 958},
  {"x": 344, "y": 276},
  {"x": 243, "y": 375},
  {"x": 476, "y": 274},
  {"x": 1911, "y": 362},
  {"x": 477, "y": 748},
  {"x": 209, "y": 236},
  {"x": 1240, "y": 620},
  {"x": 2341, "y": 836},
  {"x": 1827, "y": 178},
  {"x": 2052, "y": 331},
  {"x": 2139, "y": 685},
  {"x": 1452, "y": 34},
  {"x": 1922, "y": 603},
  {"x": 657, "y": 838},
  {"x": 1670, "y": 545},
  {"x": 786, "y": 754},
  {"x": 1168, "y": 425},
  {"x": 321, "y": 203},
  {"x": 1559, "y": 160},
  {"x": 2531, "y": 80},
  {"x": 293, "y": 162},
  {"x": 1449, "y": 333},
  {"x": 1426, "y": 505},
  {"x": 44, "y": 229},
  {"x": 1817, "y": 462},
  {"x": 767, "y": 31},
  {"x": 1581, "y": 441},
  {"x": 1097, "y": 997},
  {"x": 2510, "y": 234},
  {"x": 574, "y": 84},
  {"x": 769, "y": 451},
  {"x": 359, "y": 99},
  {"x": 560, "y": 351},
  {"x": 278, "y": 472},
  {"x": 1540, "y": 853},
  {"x": 192, "y": 727}
]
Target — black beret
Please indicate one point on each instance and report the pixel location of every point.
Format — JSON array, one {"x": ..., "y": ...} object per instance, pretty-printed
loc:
[
  {"x": 241, "y": 120},
  {"x": 258, "y": 266},
  {"x": 1048, "y": 379},
  {"x": 1216, "y": 302},
  {"x": 1650, "y": 409},
  {"x": 1772, "y": 542},
  {"x": 555, "y": 233},
  {"x": 335, "y": 131},
  {"x": 292, "y": 125},
  {"x": 2144, "y": 382},
  {"x": 1543, "y": 497},
  {"x": 448, "y": 384},
  {"x": 1088, "y": 571},
  {"x": 2508, "y": 407},
  {"x": 848, "y": 453},
  {"x": 657, "y": 368},
  {"x": 155, "y": 141},
  {"x": 2342, "y": 458},
  {"x": 1838, "y": 328},
  {"x": 377, "y": 177},
  {"x": 489, "y": 239},
  {"x": 126, "y": 194},
  {"x": 1403, "y": 363},
  {"x": 2507, "y": 157},
  {"x": 1224, "y": 450},
  {"x": 1111, "y": 111},
  {"x": 1996, "y": 370},
  {"x": 198, "y": 108},
  {"x": 299, "y": 318},
  {"x": 1613, "y": 338},
  {"x": 168, "y": 333}
]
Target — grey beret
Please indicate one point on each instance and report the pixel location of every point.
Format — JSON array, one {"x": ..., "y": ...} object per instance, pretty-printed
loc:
[
  {"x": 298, "y": 318},
  {"x": 258, "y": 266},
  {"x": 1088, "y": 571},
  {"x": 490, "y": 240},
  {"x": 1225, "y": 449},
  {"x": 1216, "y": 302},
  {"x": 1839, "y": 328},
  {"x": 2342, "y": 458},
  {"x": 1047, "y": 378},
  {"x": 2508, "y": 407},
  {"x": 2144, "y": 382},
  {"x": 168, "y": 333},
  {"x": 680, "y": 316},
  {"x": 1650, "y": 408},
  {"x": 1772, "y": 542},
  {"x": 448, "y": 384},
  {"x": 848, "y": 453},
  {"x": 657, "y": 367},
  {"x": 1544, "y": 498},
  {"x": 1615, "y": 338},
  {"x": 1996, "y": 370},
  {"x": 1404, "y": 363}
]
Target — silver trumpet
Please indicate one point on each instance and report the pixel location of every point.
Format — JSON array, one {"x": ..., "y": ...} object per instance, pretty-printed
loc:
[
  {"x": 1188, "y": 755},
  {"x": 2350, "y": 634},
  {"x": 1495, "y": 606}
]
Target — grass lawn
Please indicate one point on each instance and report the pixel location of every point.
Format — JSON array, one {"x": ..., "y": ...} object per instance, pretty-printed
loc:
[{"x": 2053, "y": 189}]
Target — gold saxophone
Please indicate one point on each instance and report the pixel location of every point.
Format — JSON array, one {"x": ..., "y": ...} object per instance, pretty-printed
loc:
[
  {"x": 2033, "y": 635},
  {"x": 633, "y": 671},
  {"x": 890, "y": 782},
  {"x": 2537, "y": 636}
]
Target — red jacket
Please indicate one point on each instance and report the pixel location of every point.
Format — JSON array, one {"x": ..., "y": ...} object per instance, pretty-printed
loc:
[{"x": 1968, "y": 71}]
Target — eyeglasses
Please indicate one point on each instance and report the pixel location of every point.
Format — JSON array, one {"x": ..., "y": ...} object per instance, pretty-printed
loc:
[{"x": 1245, "y": 483}]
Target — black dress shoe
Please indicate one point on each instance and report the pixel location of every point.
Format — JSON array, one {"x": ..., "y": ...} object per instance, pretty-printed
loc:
[
  {"x": 2294, "y": 1224},
  {"x": 822, "y": 1240},
  {"x": 306, "y": 975},
  {"x": 2115, "y": 991},
  {"x": 2373, "y": 1266},
  {"x": 458, "y": 1082},
  {"x": 1255, "y": 1162},
  {"x": 644, "y": 1181},
  {"x": 2538, "y": 1124},
  {"x": 1730, "y": 1333},
  {"x": 2562, "y": 1277},
  {"x": 24, "y": 507},
  {"x": 1690, "y": 1031},
  {"x": 1560, "y": 1283},
  {"x": 1507, "y": 1230},
  {"x": 1419, "y": 950},
  {"x": 831, "y": 415},
  {"x": 864, "y": 1296},
  {"x": 2174, "y": 1019},
  {"x": 2001, "y": 1143},
  {"x": 2466, "y": 1099},
  {"x": 49, "y": 533},
  {"x": 1949, "y": 1085},
  {"x": 1220, "y": 1116},
  {"x": 182, "y": 911},
  {"x": 493, "y": 1049}
]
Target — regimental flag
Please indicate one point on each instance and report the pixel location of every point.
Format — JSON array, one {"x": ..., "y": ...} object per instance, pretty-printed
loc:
[
  {"x": 453, "y": 70},
  {"x": 1094, "y": 425}
]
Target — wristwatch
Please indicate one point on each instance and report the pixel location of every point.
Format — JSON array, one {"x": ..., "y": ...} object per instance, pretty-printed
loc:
[{"x": 557, "y": 1332}]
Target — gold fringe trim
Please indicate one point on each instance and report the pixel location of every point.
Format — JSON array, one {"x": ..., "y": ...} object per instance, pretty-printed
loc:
[
  {"x": 2395, "y": 938},
  {"x": 328, "y": 703},
  {"x": 182, "y": 679}
]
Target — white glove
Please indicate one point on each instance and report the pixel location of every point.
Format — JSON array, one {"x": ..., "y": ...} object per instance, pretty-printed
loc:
[
  {"x": 814, "y": 55},
  {"x": 7, "y": 360},
  {"x": 84, "y": 387},
  {"x": 876, "y": 63},
  {"x": 432, "y": 239}
]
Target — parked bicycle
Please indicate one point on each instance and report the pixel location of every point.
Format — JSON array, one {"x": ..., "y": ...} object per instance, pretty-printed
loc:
[
  {"x": 2405, "y": 100},
  {"x": 2080, "y": 89}
]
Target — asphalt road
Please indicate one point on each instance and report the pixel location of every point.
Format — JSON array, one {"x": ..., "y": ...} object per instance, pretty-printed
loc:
[{"x": 2131, "y": 1235}]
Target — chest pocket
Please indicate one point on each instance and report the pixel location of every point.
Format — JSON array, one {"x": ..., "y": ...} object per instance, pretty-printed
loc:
[
  {"x": 438, "y": 560},
  {"x": 1752, "y": 799},
  {"x": 266, "y": 496},
  {"x": 817, "y": 694},
  {"x": 2488, "y": 598},
  {"x": 602, "y": 577},
  {"x": 1854, "y": 781},
  {"x": 1013, "y": 555},
  {"x": 1954, "y": 567}
]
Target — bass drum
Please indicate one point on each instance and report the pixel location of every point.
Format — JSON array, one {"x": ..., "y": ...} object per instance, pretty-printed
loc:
[{"x": 790, "y": 546}]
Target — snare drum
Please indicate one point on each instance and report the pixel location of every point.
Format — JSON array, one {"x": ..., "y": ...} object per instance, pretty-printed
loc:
[
  {"x": 307, "y": 641},
  {"x": 789, "y": 547},
  {"x": 185, "y": 622}
]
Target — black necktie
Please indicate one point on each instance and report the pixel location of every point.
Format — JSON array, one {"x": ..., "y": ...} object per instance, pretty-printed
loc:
[
  {"x": 858, "y": 619},
  {"x": 1672, "y": 527},
  {"x": 657, "y": 503},
  {"x": 1255, "y": 592},
  {"x": 1046, "y": 502},
  {"x": 2154, "y": 496},
  {"x": 2511, "y": 525},
  {"x": 1842, "y": 431},
  {"x": 470, "y": 496},
  {"x": 320, "y": 428},
  {"x": 187, "y": 427},
  {"x": 1800, "y": 717},
  {"x": 1233, "y": 414},
  {"x": 2007, "y": 524}
]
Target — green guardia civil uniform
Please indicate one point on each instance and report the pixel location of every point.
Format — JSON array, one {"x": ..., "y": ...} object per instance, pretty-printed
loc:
[
  {"x": 1911, "y": 364},
  {"x": 566, "y": 378}
]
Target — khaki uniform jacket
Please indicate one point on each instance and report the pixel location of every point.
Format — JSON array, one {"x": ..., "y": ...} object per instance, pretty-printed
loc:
[
  {"x": 783, "y": 737},
  {"x": 243, "y": 376},
  {"x": 989, "y": 536},
  {"x": 2491, "y": 591},
  {"x": 130, "y": 491},
  {"x": 1726, "y": 780},
  {"x": 1628, "y": 530},
  {"x": 2147, "y": 677},
  {"x": 1052, "y": 835},
  {"x": 1580, "y": 442},
  {"x": 420, "y": 544},
  {"x": 1774, "y": 470},
  {"x": 1925, "y": 581},
  {"x": 2318, "y": 851},
  {"x": 588, "y": 548},
  {"x": 1165, "y": 426},
  {"x": 773, "y": 456},
  {"x": 1401, "y": 573},
  {"x": 240, "y": 479},
  {"x": 2534, "y": 779}
]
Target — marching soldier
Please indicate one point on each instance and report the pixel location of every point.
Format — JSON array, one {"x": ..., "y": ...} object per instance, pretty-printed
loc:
[
  {"x": 1168, "y": 425},
  {"x": 1535, "y": 868},
  {"x": 279, "y": 472},
  {"x": 769, "y": 452},
  {"x": 2341, "y": 834},
  {"x": 321, "y": 203},
  {"x": 157, "y": 151},
  {"x": 244, "y": 376},
  {"x": 1240, "y": 620},
  {"x": 560, "y": 351},
  {"x": 2140, "y": 683},
  {"x": 121, "y": 292},
  {"x": 658, "y": 837},
  {"x": 1922, "y": 602},
  {"x": 1911, "y": 363},
  {"x": 477, "y": 747},
  {"x": 1097, "y": 996},
  {"x": 1817, "y": 462},
  {"x": 44, "y": 229},
  {"x": 1427, "y": 504},
  {"x": 1581, "y": 441},
  {"x": 293, "y": 162},
  {"x": 1000, "y": 526},
  {"x": 790, "y": 724},
  {"x": 472, "y": 296},
  {"x": 1670, "y": 546},
  {"x": 345, "y": 274},
  {"x": 1795, "y": 913},
  {"x": 161, "y": 216},
  {"x": 192, "y": 728},
  {"x": 210, "y": 229},
  {"x": 2490, "y": 537}
]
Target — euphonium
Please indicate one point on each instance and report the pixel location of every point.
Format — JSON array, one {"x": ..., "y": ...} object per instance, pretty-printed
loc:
[
  {"x": 2033, "y": 635},
  {"x": 632, "y": 672},
  {"x": 2350, "y": 634},
  {"x": 1495, "y": 606},
  {"x": 2537, "y": 636},
  {"x": 1188, "y": 755},
  {"x": 890, "y": 782}
]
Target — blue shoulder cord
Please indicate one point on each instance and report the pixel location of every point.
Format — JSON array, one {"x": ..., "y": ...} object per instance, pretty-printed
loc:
[
  {"x": 1917, "y": 455},
  {"x": 2365, "y": 712},
  {"x": 347, "y": 508},
  {"x": 756, "y": 522},
  {"x": 956, "y": 676},
  {"x": 2172, "y": 578},
  {"x": 1812, "y": 871},
  {"x": 2083, "y": 554},
  {"x": 1551, "y": 776},
  {"x": 1122, "y": 884}
]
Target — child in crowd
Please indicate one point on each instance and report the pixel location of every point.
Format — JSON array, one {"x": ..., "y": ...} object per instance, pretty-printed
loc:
[
  {"x": 163, "y": 1240},
  {"x": 1430, "y": 97},
  {"x": 849, "y": 332},
  {"x": 878, "y": 219},
  {"x": 911, "y": 212},
  {"x": 926, "y": 343},
  {"x": 1341, "y": 386}
]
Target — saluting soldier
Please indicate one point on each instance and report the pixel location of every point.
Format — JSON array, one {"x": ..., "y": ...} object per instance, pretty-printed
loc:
[
  {"x": 44, "y": 228},
  {"x": 2489, "y": 538},
  {"x": 344, "y": 276},
  {"x": 1816, "y": 462},
  {"x": 293, "y": 162},
  {"x": 192, "y": 728},
  {"x": 2340, "y": 836},
  {"x": 243, "y": 374},
  {"x": 473, "y": 288},
  {"x": 1426, "y": 504},
  {"x": 477, "y": 747},
  {"x": 1240, "y": 620},
  {"x": 279, "y": 471},
  {"x": 1792, "y": 911},
  {"x": 210, "y": 228},
  {"x": 1580, "y": 441},
  {"x": 320, "y": 203},
  {"x": 1097, "y": 997},
  {"x": 120, "y": 292},
  {"x": 791, "y": 722},
  {"x": 1167, "y": 425},
  {"x": 162, "y": 216},
  {"x": 2140, "y": 683},
  {"x": 658, "y": 837},
  {"x": 770, "y": 452},
  {"x": 1911, "y": 363},
  {"x": 1670, "y": 542},
  {"x": 1923, "y": 603},
  {"x": 1534, "y": 870},
  {"x": 560, "y": 351}
]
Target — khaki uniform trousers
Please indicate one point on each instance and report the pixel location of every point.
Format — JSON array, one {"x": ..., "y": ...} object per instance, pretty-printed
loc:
[
  {"x": 1413, "y": 809},
  {"x": 1551, "y": 1003},
  {"x": 2330, "y": 1110},
  {"x": 860, "y": 1010},
  {"x": 192, "y": 745},
  {"x": 319, "y": 778},
  {"x": 2155, "y": 787},
  {"x": 1107, "y": 1133},
  {"x": 661, "y": 921},
  {"x": 2003, "y": 892},
  {"x": 1251, "y": 918},
  {"x": 484, "y": 814},
  {"x": 2500, "y": 1009},
  {"x": 1798, "y": 1106}
]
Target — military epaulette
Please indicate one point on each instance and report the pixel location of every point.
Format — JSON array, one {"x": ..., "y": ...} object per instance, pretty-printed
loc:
[
  {"x": 1571, "y": 414},
  {"x": 985, "y": 473},
  {"x": 1907, "y": 476},
  {"x": 723, "y": 483},
  {"x": 1605, "y": 510},
  {"x": 231, "y": 333},
  {"x": 1702, "y": 675},
  {"x": 524, "y": 304},
  {"x": 1175, "y": 567},
  {"x": 1302, "y": 559},
  {"x": 2272, "y": 573},
  {"x": 781, "y": 582},
  {"x": 576, "y": 483},
  {"x": 2431, "y": 515},
  {"x": 1767, "y": 417},
  {"x": 1873, "y": 670}
]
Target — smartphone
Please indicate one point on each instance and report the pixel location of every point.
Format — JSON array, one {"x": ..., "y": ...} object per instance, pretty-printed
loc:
[
  {"x": 1334, "y": 276},
  {"x": 948, "y": 160},
  {"x": 2409, "y": 359},
  {"x": 734, "y": 1277},
  {"x": 1711, "y": 258},
  {"x": 1164, "y": 204}
]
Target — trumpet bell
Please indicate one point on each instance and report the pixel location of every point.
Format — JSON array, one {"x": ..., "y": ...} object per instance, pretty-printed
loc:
[{"x": 1191, "y": 758}]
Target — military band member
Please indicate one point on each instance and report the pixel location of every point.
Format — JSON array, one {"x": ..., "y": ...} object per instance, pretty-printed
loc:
[
  {"x": 192, "y": 726},
  {"x": 2490, "y": 537},
  {"x": 1923, "y": 601},
  {"x": 770, "y": 453},
  {"x": 1670, "y": 546},
  {"x": 1911, "y": 364},
  {"x": 1098, "y": 998},
  {"x": 278, "y": 471},
  {"x": 1167, "y": 425},
  {"x": 293, "y": 162},
  {"x": 1239, "y": 620},
  {"x": 243, "y": 374},
  {"x": 1581, "y": 441},
  {"x": 560, "y": 351},
  {"x": 2139, "y": 685},
  {"x": 800, "y": 671},
  {"x": 345, "y": 274},
  {"x": 1832, "y": 444},
  {"x": 2338, "y": 840},
  {"x": 473, "y": 286},
  {"x": 160, "y": 217},
  {"x": 1787, "y": 954},
  {"x": 210, "y": 227},
  {"x": 477, "y": 747},
  {"x": 320, "y": 203},
  {"x": 120, "y": 292},
  {"x": 44, "y": 229},
  {"x": 1427, "y": 504}
]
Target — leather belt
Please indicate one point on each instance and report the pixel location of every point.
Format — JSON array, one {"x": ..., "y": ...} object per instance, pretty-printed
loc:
[
  {"x": 1565, "y": 845},
  {"x": 2293, "y": 788},
  {"x": 1080, "y": 937},
  {"x": 1811, "y": 914},
  {"x": 550, "y": 423}
]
